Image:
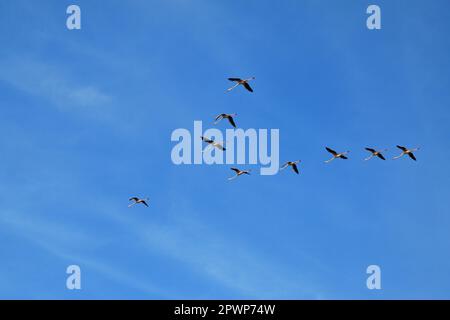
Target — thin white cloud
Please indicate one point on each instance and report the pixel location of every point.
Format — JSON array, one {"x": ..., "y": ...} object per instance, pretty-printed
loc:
[
  {"x": 52, "y": 83},
  {"x": 224, "y": 261},
  {"x": 58, "y": 239}
]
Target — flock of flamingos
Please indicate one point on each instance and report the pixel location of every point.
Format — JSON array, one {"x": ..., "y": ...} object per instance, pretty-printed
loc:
[{"x": 293, "y": 164}]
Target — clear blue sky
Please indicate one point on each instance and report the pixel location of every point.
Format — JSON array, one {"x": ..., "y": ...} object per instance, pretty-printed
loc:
[{"x": 86, "y": 119}]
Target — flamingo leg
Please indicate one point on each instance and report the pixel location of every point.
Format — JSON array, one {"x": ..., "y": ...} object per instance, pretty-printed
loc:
[
  {"x": 229, "y": 89},
  {"x": 328, "y": 161}
]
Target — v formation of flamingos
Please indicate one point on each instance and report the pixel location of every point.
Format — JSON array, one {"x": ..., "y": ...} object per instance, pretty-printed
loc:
[{"x": 292, "y": 164}]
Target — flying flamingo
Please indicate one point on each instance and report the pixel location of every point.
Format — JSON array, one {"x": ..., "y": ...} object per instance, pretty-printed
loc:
[
  {"x": 243, "y": 82},
  {"x": 226, "y": 116},
  {"x": 137, "y": 200},
  {"x": 239, "y": 173},
  {"x": 375, "y": 153},
  {"x": 293, "y": 164},
  {"x": 211, "y": 142},
  {"x": 407, "y": 151},
  {"x": 336, "y": 155}
]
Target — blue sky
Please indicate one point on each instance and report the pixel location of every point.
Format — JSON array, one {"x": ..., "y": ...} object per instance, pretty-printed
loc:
[{"x": 86, "y": 119}]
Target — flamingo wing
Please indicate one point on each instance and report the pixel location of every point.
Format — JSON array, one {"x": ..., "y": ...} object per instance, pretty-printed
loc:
[
  {"x": 247, "y": 86},
  {"x": 334, "y": 153},
  {"x": 207, "y": 140},
  {"x": 230, "y": 119},
  {"x": 411, "y": 155}
]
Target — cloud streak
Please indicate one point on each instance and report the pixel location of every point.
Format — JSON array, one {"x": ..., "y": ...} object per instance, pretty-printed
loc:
[
  {"x": 51, "y": 83},
  {"x": 229, "y": 263},
  {"x": 58, "y": 240}
]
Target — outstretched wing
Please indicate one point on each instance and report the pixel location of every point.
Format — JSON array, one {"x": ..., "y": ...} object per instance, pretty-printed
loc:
[
  {"x": 207, "y": 140},
  {"x": 371, "y": 150},
  {"x": 294, "y": 166},
  {"x": 220, "y": 116},
  {"x": 343, "y": 157},
  {"x": 401, "y": 148},
  {"x": 235, "y": 79},
  {"x": 219, "y": 146},
  {"x": 334, "y": 153},
  {"x": 411, "y": 155},
  {"x": 247, "y": 86},
  {"x": 236, "y": 170},
  {"x": 381, "y": 156},
  {"x": 134, "y": 199},
  {"x": 230, "y": 119},
  {"x": 145, "y": 203}
]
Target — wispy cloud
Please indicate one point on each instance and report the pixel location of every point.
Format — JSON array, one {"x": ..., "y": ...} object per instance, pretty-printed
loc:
[
  {"x": 60, "y": 241},
  {"x": 231, "y": 264},
  {"x": 51, "y": 82}
]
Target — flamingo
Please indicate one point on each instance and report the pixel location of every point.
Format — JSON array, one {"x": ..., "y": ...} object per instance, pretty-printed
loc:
[
  {"x": 407, "y": 151},
  {"x": 211, "y": 142},
  {"x": 336, "y": 155},
  {"x": 243, "y": 82},
  {"x": 226, "y": 116},
  {"x": 137, "y": 200},
  {"x": 239, "y": 173},
  {"x": 375, "y": 153},
  {"x": 293, "y": 164}
]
